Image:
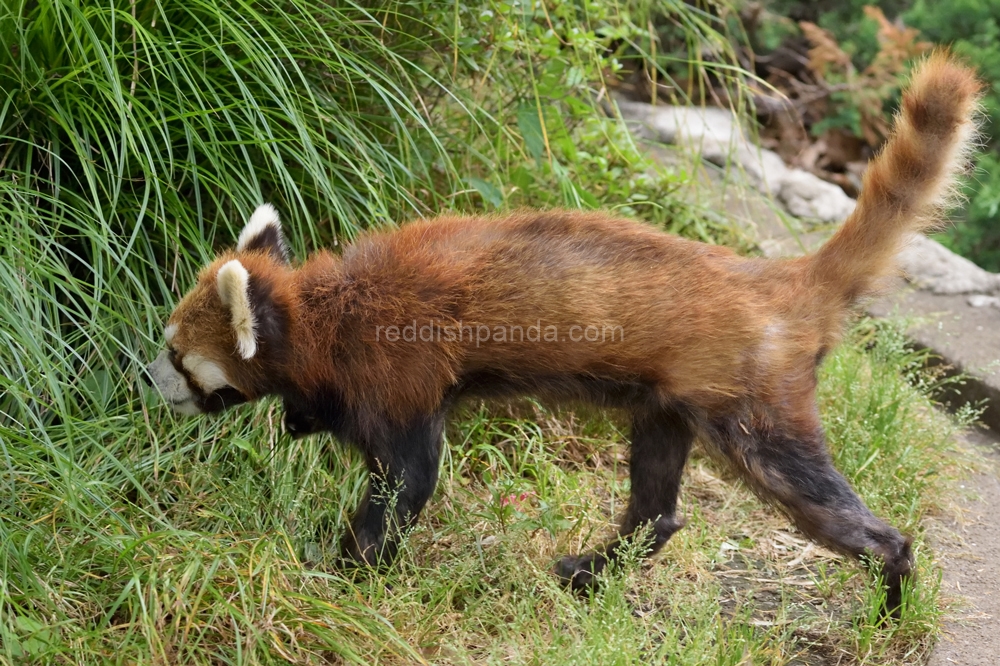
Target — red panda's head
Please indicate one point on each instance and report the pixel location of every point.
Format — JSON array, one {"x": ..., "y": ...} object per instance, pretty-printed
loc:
[{"x": 226, "y": 336}]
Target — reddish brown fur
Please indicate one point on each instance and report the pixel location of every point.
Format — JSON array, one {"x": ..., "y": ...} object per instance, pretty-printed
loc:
[
  {"x": 694, "y": 316},
  {"x": 725, "y": 344}
]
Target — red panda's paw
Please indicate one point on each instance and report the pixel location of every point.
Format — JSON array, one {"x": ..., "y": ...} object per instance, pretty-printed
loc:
[
  {"x": 375, "y": 552},
  {"x": 896, "y": 568},
  {"x": 581, "y": 573}
]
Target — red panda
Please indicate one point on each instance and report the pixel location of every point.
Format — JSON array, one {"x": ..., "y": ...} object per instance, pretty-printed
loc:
[{"x": 377, "y": 344}]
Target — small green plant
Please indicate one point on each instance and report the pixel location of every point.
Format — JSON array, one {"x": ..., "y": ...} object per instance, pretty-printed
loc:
[{"x": 858, "y": 98}]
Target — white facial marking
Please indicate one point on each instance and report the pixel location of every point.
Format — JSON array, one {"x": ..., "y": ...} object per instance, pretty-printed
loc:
[
  {"x": 172, "y": 385},
  {"x": 264, "y": 216},
  {"x": 169, "y": 332},
  {"x": 187, "y": 408},
  {"x": 207, "y": 374},
  {"x": 233, "y": 283}
]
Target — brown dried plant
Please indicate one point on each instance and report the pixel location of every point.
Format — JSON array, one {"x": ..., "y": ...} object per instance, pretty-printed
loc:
[{"x": 868, "y": 90}]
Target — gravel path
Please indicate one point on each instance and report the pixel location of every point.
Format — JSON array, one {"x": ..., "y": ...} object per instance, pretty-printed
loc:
[{"x": 967, "y": 549}]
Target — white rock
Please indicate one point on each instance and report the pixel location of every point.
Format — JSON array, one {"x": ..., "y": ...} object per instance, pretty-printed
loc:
[
  {"x": 982, "y": 300},
  {"x": 809, "y": 196},
  {"x": 716, "y": 135},
  {"x": 630, "y": 110},
  {"x": 764, "y": 168},
  {"x": 635, "y": 115},
  {"x": 691, "y": 126},
  {"x": 932, "y": 266}
]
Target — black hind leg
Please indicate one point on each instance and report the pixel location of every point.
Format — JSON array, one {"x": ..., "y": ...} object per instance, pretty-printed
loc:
[
  {"x": 661, "y": 440},
  {"x": 796, "y": 472}
]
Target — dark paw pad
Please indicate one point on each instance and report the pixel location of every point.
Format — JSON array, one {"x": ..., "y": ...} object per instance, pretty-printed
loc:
[
  {"x": 374, "y": 553},
  {"x": 896, "y": 570},
  {"x": 581, "y": 573}
]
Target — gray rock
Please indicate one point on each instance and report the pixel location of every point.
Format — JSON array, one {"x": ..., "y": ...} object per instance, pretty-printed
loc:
[
  {"x": 694, "y": 127},
  {"x": 716, "y": 136},
  {"x": 982, "y": 301},
  {"x": 631, "y": 111},
  {"x": 936, "y": 268},
  {"x": 764, "y": 168},
  {"x": 808, "y": 196}
]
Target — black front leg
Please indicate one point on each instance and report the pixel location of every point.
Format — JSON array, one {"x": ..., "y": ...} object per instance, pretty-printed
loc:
[
  {"x": 325, "y": 411},
  {"x": 403, "y": 467}
]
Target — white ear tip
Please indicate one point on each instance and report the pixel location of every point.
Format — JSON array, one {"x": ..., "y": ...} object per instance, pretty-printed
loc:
[
  {"x": 233, "y": 284},
  {"x": 263, "y": 217},
  {"x": 235, "y": 267},
  {"x": 231, "y": 280},
  {"x": 246, "y": 345}
]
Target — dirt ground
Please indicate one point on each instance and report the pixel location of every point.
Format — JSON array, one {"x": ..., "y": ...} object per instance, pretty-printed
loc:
[{"x": 967, "y": 546}]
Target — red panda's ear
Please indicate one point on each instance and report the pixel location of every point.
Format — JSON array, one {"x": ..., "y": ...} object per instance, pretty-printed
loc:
[
  {"x": 263, "y": 234},
  {"x": 233, "y": 284}
]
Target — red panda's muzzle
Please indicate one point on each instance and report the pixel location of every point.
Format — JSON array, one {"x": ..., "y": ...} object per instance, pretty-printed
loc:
[{"x": 184, "y": 395}]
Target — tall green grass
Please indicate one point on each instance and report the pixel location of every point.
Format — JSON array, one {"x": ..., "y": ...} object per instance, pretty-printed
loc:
[{"x": 134, "y": 136}]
